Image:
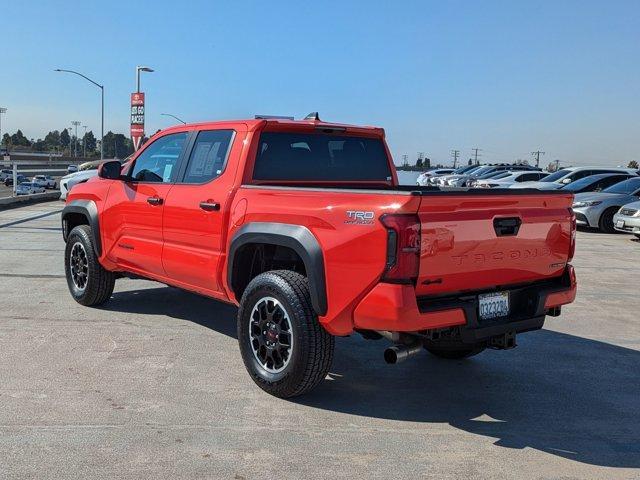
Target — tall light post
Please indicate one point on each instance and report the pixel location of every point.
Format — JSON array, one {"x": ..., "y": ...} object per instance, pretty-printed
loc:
[
  {"x": 173, "y": 116},
  {"x": 138, "y": 70},
  {"x": 3, "y": 110},
  {"x": 75, "y": 123},
  {"x": 84, "y": 142},
  {"x": 101, "y": 87}
]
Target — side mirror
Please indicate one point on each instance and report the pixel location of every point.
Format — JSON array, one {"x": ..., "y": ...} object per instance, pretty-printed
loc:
[
  {"x": 110, "y": 170},
  {"x": 566, "y": 181}
]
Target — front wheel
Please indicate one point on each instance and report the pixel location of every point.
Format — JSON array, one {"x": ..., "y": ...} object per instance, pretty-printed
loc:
[
  {"x": 89, "y": 283},
  {"x": 284, "y": 348},
  {"x": 606, "y": 220}
]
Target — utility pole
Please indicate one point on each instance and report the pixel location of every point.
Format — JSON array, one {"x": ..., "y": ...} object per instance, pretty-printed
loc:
[
  {"x": 537, "y": 155},
  {"x": 75, "y": 123},
  {"x": 455, "y": 154},
  {"x": 476, "y": 155},
  {"x": 405, "y": 160}
]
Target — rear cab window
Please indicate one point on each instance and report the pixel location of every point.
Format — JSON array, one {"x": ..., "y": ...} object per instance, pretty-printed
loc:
[{"x": 320, "y": 157}]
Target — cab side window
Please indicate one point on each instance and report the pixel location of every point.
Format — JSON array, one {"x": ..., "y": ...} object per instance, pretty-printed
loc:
[
  {"x": 208, "y": 156},
  {"x": 158, "y": 162}
]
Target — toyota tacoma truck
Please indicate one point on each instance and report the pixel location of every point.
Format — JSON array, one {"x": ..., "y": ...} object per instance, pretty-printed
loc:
[{"x": 303, "y": 225}]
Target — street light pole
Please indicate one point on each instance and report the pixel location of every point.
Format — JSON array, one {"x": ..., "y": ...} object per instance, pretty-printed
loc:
[
  {"x": 75, "y": 123},
  {"x": 173, "y": 116},
  {"x": 138, "y": 70},
  {"x": 84, "y": 142},
  {"x": 2, "y": 110},
  {"x": 101, "y": 87}
]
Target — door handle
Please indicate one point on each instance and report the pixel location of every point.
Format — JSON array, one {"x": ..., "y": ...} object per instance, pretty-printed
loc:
[
  {"x": 210, "y": 206},
  {"x": 154, "y": 201}
]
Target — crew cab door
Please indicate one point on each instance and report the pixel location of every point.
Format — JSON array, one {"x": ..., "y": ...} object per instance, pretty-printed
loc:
[
  {"x": 132, "y": 219},
  {"x": 196, "y": 211}
]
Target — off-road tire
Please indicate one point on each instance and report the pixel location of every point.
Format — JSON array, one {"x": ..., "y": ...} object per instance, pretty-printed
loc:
[
  {"x": 605, "y": 224},
  {"x": 99, "y": 282},
  {"x": 455, "y": 353},
  {"x": 312, "y": 348}
]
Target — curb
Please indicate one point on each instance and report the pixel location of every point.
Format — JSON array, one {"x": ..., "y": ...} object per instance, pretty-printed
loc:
[{"x": 10, "y": 202}]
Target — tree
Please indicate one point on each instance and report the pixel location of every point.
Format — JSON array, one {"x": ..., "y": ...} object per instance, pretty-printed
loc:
[
  {"x": 633, "y": 164},
  {"x": 65, "y": 138},
  {"x": 470, "y": 162},
  {"x": 419, "y": 163},
  {"x": 116, "y": 145},
  {"x": 6, "y": 140},
  {"x": 426, "y": 163},
  {"x": 89, "y": 142},
  {"x": 18, "y": 138},
  {"x": 52, "y": 140}
]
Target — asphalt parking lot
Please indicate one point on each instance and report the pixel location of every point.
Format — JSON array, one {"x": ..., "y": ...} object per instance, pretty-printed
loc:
[{"x": 152, "y": 386}]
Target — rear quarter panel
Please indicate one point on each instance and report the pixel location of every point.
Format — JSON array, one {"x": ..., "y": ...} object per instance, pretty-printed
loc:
[{"x": 354, "y": 253}]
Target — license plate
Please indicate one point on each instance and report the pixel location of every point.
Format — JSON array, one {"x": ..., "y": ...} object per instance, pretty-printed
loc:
[
  {"x": 620, "y": 224},
  {"x": 493, "y": 305}
]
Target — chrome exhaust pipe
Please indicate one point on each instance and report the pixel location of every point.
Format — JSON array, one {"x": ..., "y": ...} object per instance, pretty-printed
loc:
[{"x": 399, "y": 352}]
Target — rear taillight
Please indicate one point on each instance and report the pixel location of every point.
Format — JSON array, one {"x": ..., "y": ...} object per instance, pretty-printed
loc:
[
  {"x": 403, "y": 247},
  {"x": 572, "y": 244}
]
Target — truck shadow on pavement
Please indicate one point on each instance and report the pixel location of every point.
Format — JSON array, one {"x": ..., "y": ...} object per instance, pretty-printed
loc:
[
  {"x": 561, "y": 394},
  {"x": 557, "y": 393}
]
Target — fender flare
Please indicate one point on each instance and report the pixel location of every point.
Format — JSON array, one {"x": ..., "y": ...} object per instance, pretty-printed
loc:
[
  {"x": 89, "y": 210},
  {"x": 296, "y": 237}
]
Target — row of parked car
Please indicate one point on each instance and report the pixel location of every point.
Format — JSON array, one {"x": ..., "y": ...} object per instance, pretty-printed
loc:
[{"x": 606, "y": 198}]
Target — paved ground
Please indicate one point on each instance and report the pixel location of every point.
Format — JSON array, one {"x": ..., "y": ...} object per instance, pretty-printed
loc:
[{"x": 152, "y": 386}]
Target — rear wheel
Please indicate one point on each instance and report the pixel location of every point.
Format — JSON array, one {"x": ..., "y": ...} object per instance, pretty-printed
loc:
[
  {"x": 89, "y": 283},
  {"x": 455, "y": 352},
  {"x": 605, "y": 224},
  {"x": 284, "y": 348}
]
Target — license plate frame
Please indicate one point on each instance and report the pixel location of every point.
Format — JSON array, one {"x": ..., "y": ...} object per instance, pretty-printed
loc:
[{"x": 493, "y": 305}]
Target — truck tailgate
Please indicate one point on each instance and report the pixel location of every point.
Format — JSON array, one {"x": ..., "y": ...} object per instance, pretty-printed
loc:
[{"x": 477, "y": 241}]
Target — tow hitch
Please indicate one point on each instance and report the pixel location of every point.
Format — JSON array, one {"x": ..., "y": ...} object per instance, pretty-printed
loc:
[{"x": 503, "y": 342}]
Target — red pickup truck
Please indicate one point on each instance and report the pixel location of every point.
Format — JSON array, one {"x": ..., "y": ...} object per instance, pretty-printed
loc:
[{"x": 304, "y": 226}]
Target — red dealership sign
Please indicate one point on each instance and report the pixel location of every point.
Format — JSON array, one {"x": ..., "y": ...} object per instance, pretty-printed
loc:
[{"x": 137, "y": 118}]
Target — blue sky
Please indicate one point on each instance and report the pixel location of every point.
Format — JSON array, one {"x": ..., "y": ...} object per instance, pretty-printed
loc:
[{"x": 509, "y": 77}]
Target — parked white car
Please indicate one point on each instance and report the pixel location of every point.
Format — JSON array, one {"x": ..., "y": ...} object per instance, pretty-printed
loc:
[
  {"x": 28, "y": 188},
  {"x": 68, "y": 181},
  {"x": 628, "y": 219},
  {"x": 46, "y": 181},
  {"x": 423, "y": 178},
  {"x": 567, "y": 175},
  {"x": 505, "y": 179}
]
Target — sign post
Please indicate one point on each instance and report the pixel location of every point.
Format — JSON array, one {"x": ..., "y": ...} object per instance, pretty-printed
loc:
[{"x": 137, "y": 119}]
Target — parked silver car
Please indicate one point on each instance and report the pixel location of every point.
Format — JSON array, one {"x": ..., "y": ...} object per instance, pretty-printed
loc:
[
  {"x": 628, "y": 219},
  {"x": 597, "y": 209}
]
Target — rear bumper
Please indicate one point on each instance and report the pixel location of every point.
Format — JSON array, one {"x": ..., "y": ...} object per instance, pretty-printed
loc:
[
  {"x": 395, "y": 308},
  {"x": 631, "y": 224}
]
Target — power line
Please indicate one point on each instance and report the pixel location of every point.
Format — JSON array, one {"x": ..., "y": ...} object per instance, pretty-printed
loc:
[
  {"x": 455, "y": 154},
  {"x": 537, "y": 155}
]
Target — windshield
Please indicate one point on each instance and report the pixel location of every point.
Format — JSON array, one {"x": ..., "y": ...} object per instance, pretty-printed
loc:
[
  {"x": 495, "y": 174},
  {"x": 501, "y": 175},
  {"x": 465, "y": 169},
  {"x": 556, "y": 175},
  {"x": 582, "y": 183},
  {"x": 627, "y": 187},
  {"x": 481, "y": 171}
]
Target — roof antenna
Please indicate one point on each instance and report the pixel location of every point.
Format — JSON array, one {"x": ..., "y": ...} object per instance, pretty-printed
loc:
[{"x": 313, "y": 116}]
